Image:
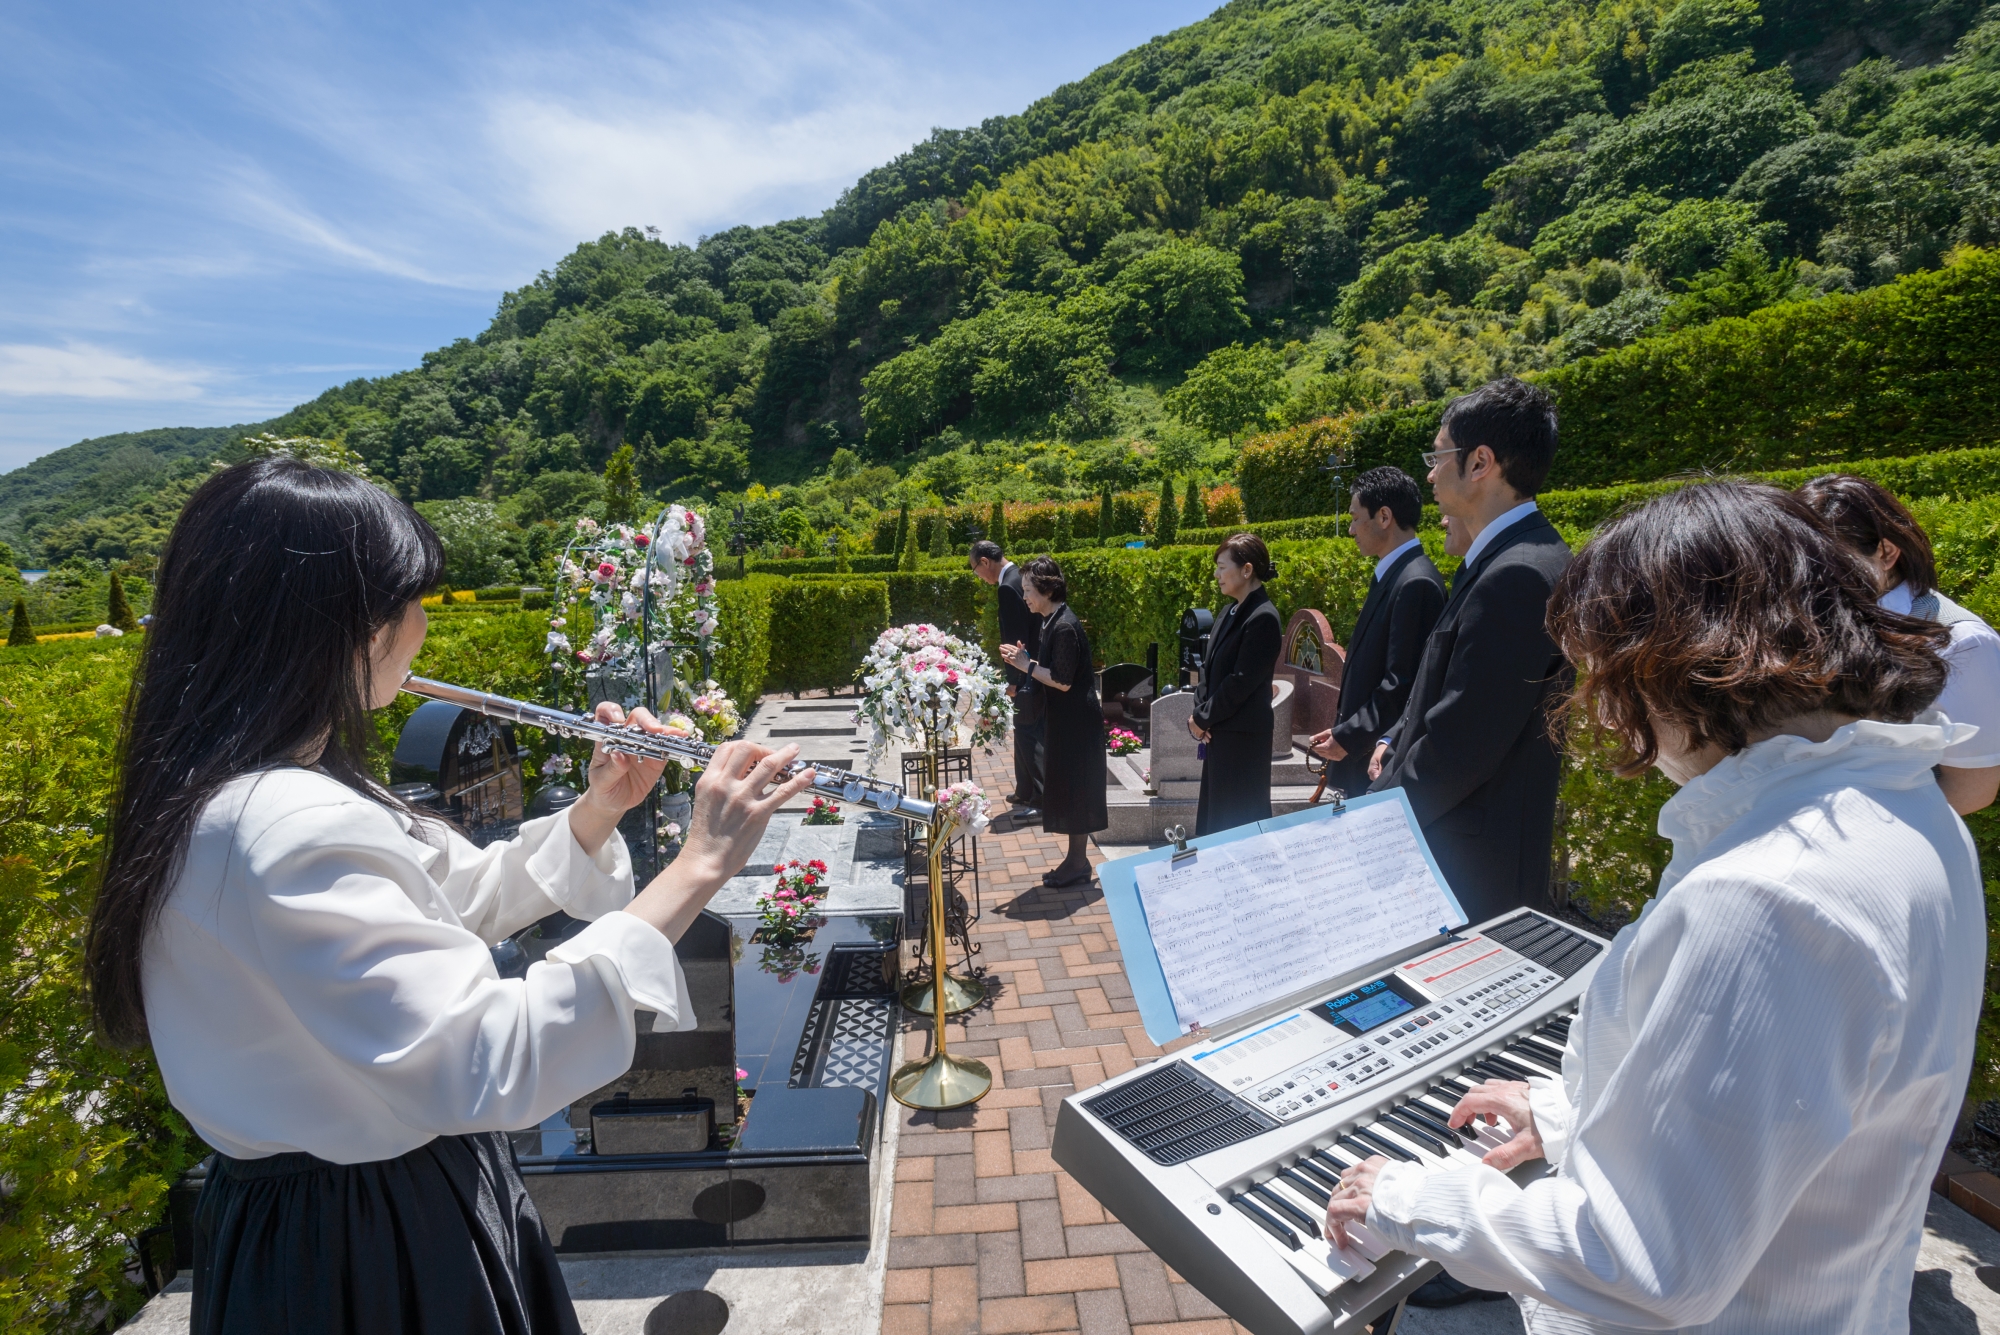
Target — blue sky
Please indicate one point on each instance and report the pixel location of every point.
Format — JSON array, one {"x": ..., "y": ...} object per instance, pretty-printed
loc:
[{"x": 210, "y": 212}]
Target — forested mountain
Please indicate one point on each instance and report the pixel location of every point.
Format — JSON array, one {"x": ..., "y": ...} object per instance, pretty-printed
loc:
[{"x": 1286, "y": 209}]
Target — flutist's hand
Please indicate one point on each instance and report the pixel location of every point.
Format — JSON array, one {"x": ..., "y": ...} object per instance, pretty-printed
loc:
[
  {"x": 1324, "y": 745},
  {"x": 617, "y": 782},
  {"x": 732, "y": 805}
]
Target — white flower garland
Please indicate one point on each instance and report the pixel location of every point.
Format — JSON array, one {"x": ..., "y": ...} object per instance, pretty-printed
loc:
[{"x": 606, "y": 577}]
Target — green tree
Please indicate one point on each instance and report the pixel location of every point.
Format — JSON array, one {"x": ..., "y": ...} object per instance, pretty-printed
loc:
[
  {"x": 907, "y": 560},
  {"x": 1230, "y": 390},
  {"x": 20, "y": 633},
  {"x": 996, "y": 525},
  {"x": 1104, "y": 520},
  {"x": 1194, "y": 510},
  {"x": 841, "y": 565},
  {"x": 939, "y": 523},
  {"x": 117, "y": 611},
  {"x": 1063, "y": 539},
  {"x": 621, "y": 487},
  {"x": 1166, "y": 520},
  {"x": 902, "y": 529}
]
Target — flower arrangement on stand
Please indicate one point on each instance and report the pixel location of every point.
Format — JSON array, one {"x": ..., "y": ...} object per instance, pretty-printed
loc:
[
  {"x": 824, "y": 812},
  {"x": 1120, "y": 742},
  {"x": 786, "y": 911},
  {"x": 965, "y": 805},
  {"x": 924, "y": 685}
]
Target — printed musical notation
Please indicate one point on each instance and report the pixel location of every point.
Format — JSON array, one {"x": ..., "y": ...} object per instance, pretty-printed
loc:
[{"x": 1249, "y": 921}]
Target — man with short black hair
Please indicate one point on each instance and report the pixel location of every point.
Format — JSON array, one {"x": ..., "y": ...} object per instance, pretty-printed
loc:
[
  {"x": 1472, "y": 750},
  {"x": 1018, "y": 625},
  {"x": 1405, "y": 598}
]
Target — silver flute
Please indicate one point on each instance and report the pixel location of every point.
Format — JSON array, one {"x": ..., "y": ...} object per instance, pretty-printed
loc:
[{"x": 635, "y": 741}]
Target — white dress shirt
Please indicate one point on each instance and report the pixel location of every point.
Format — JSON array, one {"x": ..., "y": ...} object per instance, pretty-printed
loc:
[
  {"x": 1501, "y": 523},
  {"x": 1764, "y": 1071},
  {"x": 1396, "y": 556},
  {"x": 1972, "y": 688},
  {"x": 320, "y": 979}
]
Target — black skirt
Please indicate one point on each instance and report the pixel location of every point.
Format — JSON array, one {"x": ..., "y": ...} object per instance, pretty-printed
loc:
[
  {"x": 1235, "y": 781},
  {"x": 441, "y": 1241}
]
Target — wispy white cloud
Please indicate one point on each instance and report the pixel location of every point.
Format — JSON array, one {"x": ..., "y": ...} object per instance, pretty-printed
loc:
[{"x": 86, "y": 371}]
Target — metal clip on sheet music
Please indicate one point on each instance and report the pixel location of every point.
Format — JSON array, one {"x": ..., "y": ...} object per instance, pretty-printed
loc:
[{"x": 1179, "y": 834}]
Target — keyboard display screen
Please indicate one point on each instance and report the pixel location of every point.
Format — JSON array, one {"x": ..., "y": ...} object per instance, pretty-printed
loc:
[{"x": 1374, "y": 1004}]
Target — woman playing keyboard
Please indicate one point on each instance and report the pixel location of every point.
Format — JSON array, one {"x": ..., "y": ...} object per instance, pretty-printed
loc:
[{"x": 1767, "y": 1064}]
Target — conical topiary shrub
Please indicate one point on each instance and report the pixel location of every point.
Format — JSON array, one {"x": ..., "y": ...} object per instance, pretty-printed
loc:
[
  {"x": 907, "y": 561},
  {"x": 20, "y": 633},
  {"x": 119, "y": 613},
  {"x": 1194, "y": 510},
  {"x": 939, "y": 523},
  {"x": 1166, "y": 523},
  {"x": 1063, "y": 537},
  {"x": 1104, "y": 520},
  {"x": 996, "y": 527}
]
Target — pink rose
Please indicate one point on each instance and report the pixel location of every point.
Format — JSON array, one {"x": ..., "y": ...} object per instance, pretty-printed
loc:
[{"x": 641, "y": 540}]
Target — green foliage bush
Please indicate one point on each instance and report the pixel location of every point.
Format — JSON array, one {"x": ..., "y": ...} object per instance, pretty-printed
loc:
[
  {"x": 822, "y": 628},
  {"x": 89, "y": 1143},
  {"x": 1910, "y": 367},
  {"x": 743, "y": 660},
  {"x": 945, "y": 598},
  {"x": 1905, "y": 368}
]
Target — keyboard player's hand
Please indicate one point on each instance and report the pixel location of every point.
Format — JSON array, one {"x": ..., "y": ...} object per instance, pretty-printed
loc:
[
  {"x": 1502, "y": 1100},
  {"x": 1351, "y": 1200}
]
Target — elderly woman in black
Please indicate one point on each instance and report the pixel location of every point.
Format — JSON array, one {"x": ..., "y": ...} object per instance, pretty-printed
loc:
[
  {"x": 1073, "y": 733},
  {"x": 1232, "y": 712}
]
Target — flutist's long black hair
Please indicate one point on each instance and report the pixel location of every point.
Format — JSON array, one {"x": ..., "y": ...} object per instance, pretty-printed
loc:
[{"x": 275, "y": 577}]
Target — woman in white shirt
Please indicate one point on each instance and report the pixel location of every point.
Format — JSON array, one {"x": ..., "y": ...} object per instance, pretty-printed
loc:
[
  {"x": 309, "y": 958},
  {"x": 1766, "y": 1064},
  {"x": 1868, "y": 517}
]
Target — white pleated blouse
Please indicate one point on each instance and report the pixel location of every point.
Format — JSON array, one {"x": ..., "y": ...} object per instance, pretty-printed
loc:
[
  {"x": 320, "y": 977},
  {"x": 1764, "y": 1071}
]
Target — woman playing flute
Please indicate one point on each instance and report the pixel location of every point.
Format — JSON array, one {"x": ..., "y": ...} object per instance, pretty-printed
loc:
[{"x": 309, "y": 957}]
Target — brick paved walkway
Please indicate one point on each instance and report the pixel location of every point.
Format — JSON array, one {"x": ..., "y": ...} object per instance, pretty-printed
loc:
[{"x": 988, "y": 1235}]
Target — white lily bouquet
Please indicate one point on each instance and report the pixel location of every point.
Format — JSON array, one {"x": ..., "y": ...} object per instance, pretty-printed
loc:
[{"x": 927, "y": 687}]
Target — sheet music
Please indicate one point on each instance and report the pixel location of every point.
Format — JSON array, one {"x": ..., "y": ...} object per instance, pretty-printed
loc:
[{"x": 1246, "y": 922}]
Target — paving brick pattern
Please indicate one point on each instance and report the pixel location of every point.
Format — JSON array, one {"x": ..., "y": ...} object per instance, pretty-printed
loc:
[{"x": 989, "y": 1237}]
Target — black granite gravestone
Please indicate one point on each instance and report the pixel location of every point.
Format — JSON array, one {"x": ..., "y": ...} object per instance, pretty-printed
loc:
[{"x": 471, "y": 762}]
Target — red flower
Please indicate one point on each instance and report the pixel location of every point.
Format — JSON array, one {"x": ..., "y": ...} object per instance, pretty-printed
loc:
[
  {"x": 606, "y": 569},
  {"x": 641, "y": 540}
]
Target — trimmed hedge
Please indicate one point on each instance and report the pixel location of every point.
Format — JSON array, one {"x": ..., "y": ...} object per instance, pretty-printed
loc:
[
  {"x": 944, "y": 598},
  {"x": 743, "y": 660},
  {"x": 1128, "y": 599},
  {"x": 1270, "y": 530},
  {"x": 1960, "y": 474},
  {"x": 1909, "y": 368},
  {"x": 808, "y": 565},
  {"x": 821, "y": 629},
  {"x": 1906, "y": 368}
]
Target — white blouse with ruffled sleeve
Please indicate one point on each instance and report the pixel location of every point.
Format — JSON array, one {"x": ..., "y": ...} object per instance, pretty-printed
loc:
[
  {"x": 1764, "y": 1071},
  {"x": 320, "y": 975}
]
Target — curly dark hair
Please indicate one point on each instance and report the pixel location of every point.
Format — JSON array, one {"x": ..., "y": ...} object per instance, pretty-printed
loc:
[{"x": 1722, "y": 610}]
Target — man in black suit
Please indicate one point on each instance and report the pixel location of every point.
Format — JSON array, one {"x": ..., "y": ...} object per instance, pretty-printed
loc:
[
  {"x": 1404, "y": 601},
  {"x": 1018, "y": 625},
  {"x": 1472, "y": 750}
]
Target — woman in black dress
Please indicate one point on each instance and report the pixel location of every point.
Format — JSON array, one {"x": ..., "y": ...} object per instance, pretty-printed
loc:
[
  {"x": 1232, "y": 712},
  {"x": 1073, "y": 772}
]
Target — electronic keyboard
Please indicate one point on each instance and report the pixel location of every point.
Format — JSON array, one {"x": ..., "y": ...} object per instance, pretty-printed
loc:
[{"x": 1222, "y": 1156}]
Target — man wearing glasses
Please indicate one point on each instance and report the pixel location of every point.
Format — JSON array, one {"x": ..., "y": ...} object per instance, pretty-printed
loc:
[{"x": 1472, "y": 749}]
